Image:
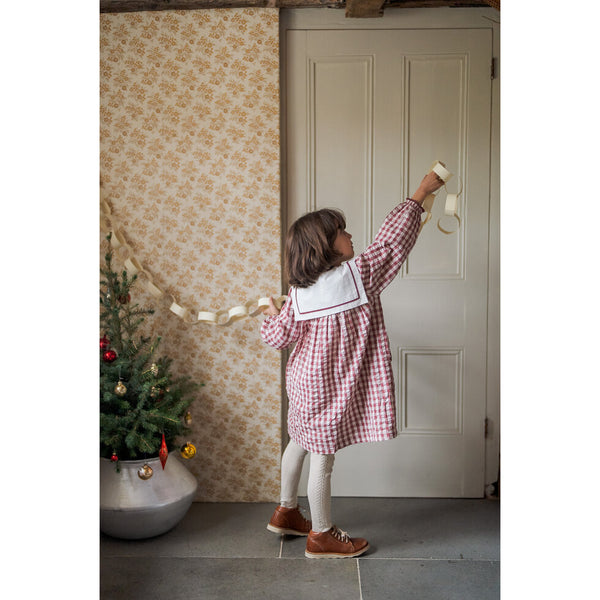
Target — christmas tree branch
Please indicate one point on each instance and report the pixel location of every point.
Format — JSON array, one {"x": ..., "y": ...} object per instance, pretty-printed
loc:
[{"x": 139, "y": 399}]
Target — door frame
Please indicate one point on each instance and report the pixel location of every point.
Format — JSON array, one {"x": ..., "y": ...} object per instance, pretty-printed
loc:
[{"x": 424, "y": 18}]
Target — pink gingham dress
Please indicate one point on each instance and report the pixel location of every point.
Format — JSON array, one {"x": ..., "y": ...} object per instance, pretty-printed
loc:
[{"x": 339, "y": 376}]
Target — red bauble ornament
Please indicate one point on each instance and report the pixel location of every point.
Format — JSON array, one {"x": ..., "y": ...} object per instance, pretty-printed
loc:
[
  {"x": 114, "y": 458},
  {"x": 109, "y": 356},
  {"x": 104, "y": 342},
  {"x": 163, "y": 452}
]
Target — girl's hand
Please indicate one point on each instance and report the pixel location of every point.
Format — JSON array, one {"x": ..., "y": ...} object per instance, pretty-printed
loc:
[
  {"x": 272, "y": 310},
  {"x": 430, "y": 183}
]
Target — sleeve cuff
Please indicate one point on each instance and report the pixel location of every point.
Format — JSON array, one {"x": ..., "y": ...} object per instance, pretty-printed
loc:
[{"x": 411, "y": 202}]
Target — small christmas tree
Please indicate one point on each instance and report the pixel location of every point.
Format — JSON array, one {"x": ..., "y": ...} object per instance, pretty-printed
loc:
[{"x": 140, "y": 402}]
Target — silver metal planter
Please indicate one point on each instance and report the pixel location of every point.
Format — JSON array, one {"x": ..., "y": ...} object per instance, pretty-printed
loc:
[{"x": 132, "y": 508}]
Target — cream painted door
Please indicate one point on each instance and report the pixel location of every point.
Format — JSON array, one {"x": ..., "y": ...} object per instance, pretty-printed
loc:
[{"x": 366, "y": 114}]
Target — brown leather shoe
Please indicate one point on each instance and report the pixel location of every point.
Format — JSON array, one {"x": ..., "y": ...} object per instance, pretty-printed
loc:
[
  {"x": 334, "y": 543},
  {"x": 289, "y": 521}
]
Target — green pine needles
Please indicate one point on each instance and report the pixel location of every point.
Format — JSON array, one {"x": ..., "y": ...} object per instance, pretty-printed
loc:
[{"x": 139, "y": 398}]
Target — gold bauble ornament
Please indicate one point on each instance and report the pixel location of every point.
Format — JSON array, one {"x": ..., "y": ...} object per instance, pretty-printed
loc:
[
  {"x": 154, "y": 369},
  {"x": 145, "y": 472},
  {"x": 187, "y": 418},
  {"x": 120, "y": 389},
  {"x": 188, "y": 450}
]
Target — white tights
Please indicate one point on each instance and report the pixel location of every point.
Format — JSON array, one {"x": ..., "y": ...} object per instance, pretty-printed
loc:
[{"x": 319, "y": 483}]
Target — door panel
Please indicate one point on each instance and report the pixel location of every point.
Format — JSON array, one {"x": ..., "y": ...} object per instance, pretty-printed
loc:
[{"x": 368, "y": 111}]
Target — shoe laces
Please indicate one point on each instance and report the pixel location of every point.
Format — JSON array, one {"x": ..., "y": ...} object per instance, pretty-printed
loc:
[{"x": 342, "y": 536}]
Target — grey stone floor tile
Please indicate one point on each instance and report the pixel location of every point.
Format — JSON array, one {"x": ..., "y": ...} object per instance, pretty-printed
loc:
[
  {"x": 415, "y": 528},
  {"x": 226, "y": 530},
  {"x": 146, "y": 578},
  {"x": 391, "y": 579},
  {"x": 423, "y": 528},
  {"x": 420, "y": 549}
]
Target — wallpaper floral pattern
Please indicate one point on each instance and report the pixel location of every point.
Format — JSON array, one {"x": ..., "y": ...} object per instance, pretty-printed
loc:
[{"x": 189, "y": 152}]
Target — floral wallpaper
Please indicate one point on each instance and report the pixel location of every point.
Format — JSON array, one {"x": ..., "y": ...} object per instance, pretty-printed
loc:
[{"x": 189, "y": 163}]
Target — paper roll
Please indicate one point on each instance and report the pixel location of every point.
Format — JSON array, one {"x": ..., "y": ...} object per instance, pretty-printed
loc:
[
  {"x": 209, "y": 317},
  {"x": 117, "y": 239},
  {"x": 440, "y": 169},
  {"x": 105, "y": 207},
  {"x": 450, "y": 211},
  {"x": 451, "y": 204},
  {"x": 153, "y": 289},
  {"x": 179, "y": 310},
  {"x": 132, "y": 265}
]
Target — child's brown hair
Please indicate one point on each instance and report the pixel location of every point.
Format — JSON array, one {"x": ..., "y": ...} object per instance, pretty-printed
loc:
[{"x": 309, "y": 246}]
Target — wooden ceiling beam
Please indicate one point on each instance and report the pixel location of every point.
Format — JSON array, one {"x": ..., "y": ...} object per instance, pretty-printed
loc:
[
  {"x": 355, "y": 6},
  {"x": 364, "y": 9}
]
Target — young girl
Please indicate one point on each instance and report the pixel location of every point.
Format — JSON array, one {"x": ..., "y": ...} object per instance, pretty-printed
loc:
[{"x": 339, "y": 376}]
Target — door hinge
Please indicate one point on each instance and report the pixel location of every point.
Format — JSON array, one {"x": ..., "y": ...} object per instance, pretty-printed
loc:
[{"x": 493, "y": 68}]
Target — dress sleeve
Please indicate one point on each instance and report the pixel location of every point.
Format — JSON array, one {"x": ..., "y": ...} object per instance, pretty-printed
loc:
[
  {"x": 381, "y": 261},
  {"x": 282, "y": 330}
]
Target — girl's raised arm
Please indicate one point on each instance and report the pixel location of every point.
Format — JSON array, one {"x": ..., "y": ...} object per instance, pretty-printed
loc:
[{"x": 381, "y": 261}]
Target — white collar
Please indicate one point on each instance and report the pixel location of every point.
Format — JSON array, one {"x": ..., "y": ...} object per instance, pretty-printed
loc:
[{"x": 335, "y": 291}]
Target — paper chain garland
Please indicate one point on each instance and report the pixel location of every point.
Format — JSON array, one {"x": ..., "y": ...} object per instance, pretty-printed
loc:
[
  {"x": 451, "y": 199},
  {"x": 252, "y": 308}
]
